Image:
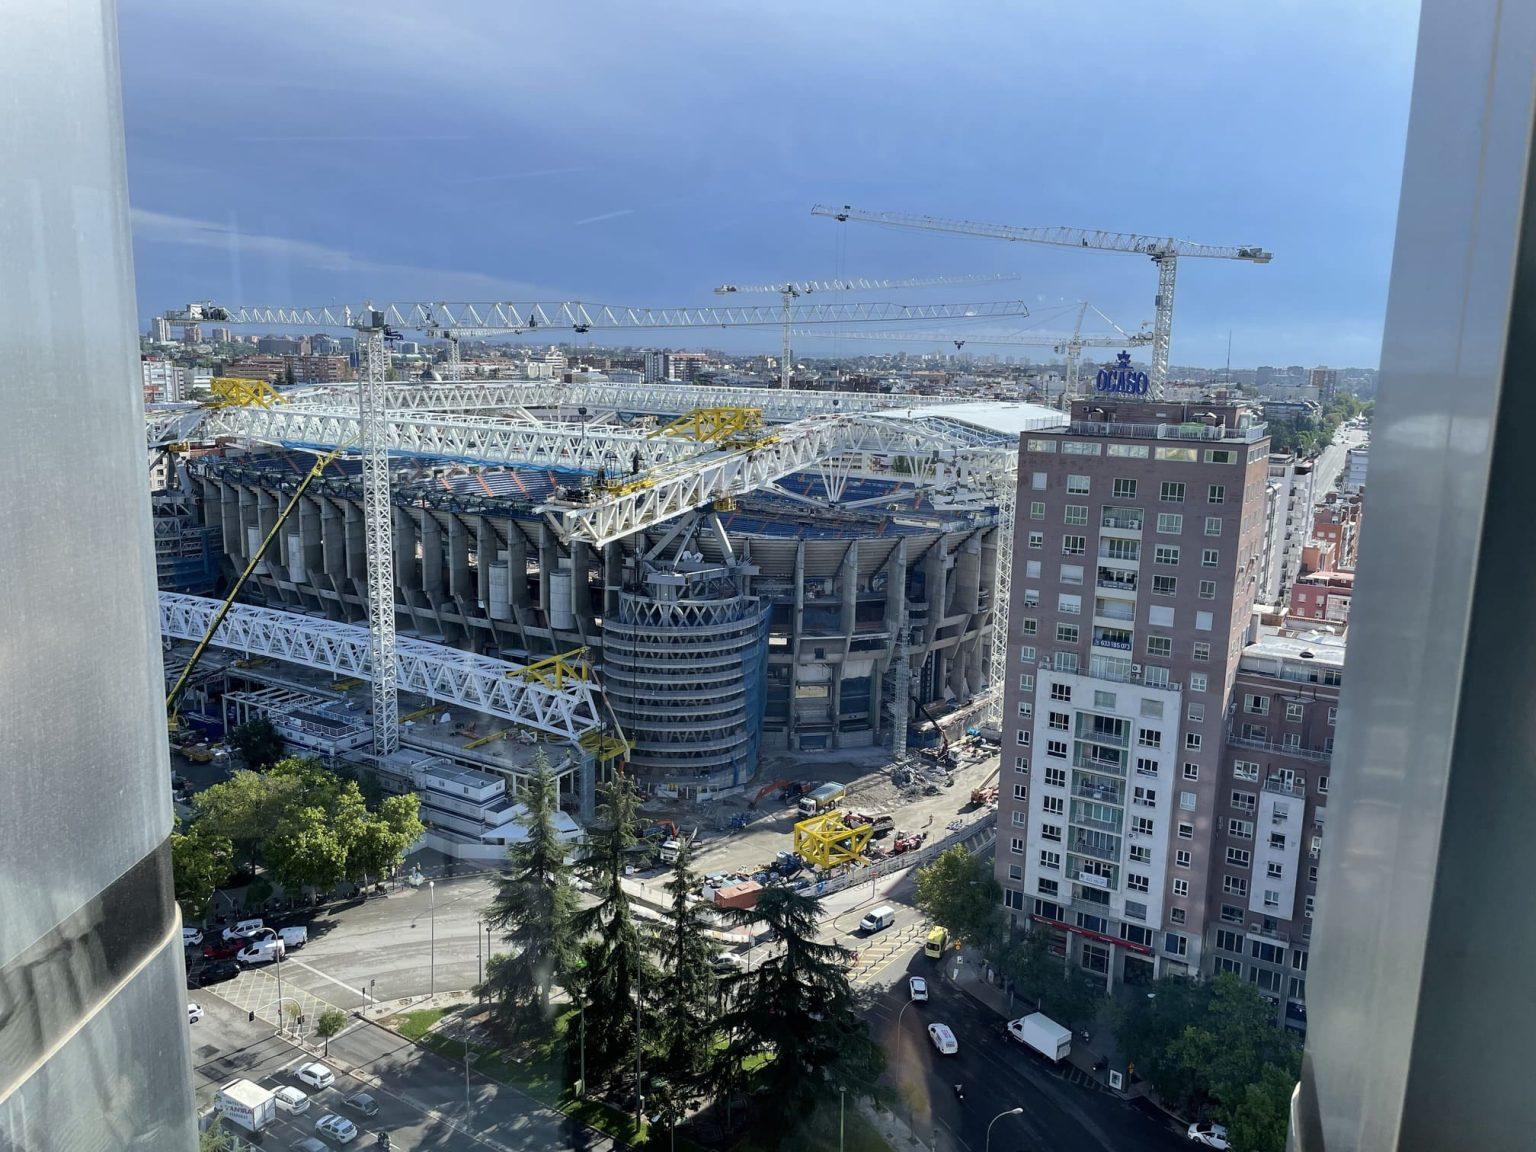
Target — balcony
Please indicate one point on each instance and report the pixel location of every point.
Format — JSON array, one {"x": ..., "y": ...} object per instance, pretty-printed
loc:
[
  {"x": 1277, "y": 785},
  {"x": 1099, "y": 793},
  {"x": 1116, "y": 734},
  {"x": 1248, "y": 435},
  {"x": 1106, "y": 639},
  {"x": 1093, "y": 822},
  {"x": 1278, "y": 749},
  {"x": 1127, "y": 519},
  {"x": 1127, "y": 552},
  {"x": 1082, "y": 759},
  {"x": 1108, "y": 853},
  {"x": 1112, "y": 581}
]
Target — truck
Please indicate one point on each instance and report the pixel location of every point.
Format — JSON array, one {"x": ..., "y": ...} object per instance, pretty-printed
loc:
[
  {"x": 880, "y": 822},
  {"x": 738, "y": 895},
  {"x": 821, "y": 798},
  {"x": 938, "y": 940},
  {"x": 1044, "y": 1035},
  {"x": 248, "y": 1104}
]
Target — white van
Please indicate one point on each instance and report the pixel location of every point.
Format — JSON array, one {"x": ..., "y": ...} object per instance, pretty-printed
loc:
[
  {"x": 242, "y": 928},
  {"x": 295, "y": 937},
  {"x": 878, "y": 919}
]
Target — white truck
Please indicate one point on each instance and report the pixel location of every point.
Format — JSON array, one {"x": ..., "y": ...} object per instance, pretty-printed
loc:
[
  {"x": 821, "y": 798},
  {"x": 1044, "y": 1035},
  {"x": 247, "y": 1104}
]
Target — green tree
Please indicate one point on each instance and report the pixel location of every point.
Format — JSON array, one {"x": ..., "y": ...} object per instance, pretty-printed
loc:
[
  {"x": 796, "y": 1013},
  {"x": 304, "y": 851},
  {"x": 260, "y": 744},
  {"x": 214, "y": 1139},
  {"x": 199, "y": 861},
  {"x": 1258, "y": 1118},
  {"x": 686, "y": 994},
  {"x": 1065, "y": 994},
  {"x": 243, "y": 809},
  {"x": 616, "y": 965},
  {"x": 959, "y": 891},
  {"x": 383, "y": 837},
  {"x": 331, "y": 1022},
  {"x": 534, "y": 909}
]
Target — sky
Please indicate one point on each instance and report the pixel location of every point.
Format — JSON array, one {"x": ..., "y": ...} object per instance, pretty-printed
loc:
[{"x": 298, "y": 153}]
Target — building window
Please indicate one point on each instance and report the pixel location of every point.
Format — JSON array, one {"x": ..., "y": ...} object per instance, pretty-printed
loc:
[
  {"x": 1056, "y": 749},
  {"x": 1146, "y": 766},
  {"x": 1322, "y": 785},
  {"x": 1204, "y": 621},
  {"x": 1077, "y": 485},
  {"x": 1037, "y": 539},
  {"x": 1183, "y": 858},
  {"x": 1061, "y": 692},
  {"x": 1209, "y": 558},
  {"x": 1239, "y": 857},
  {"x": 1050, "y": 859},
  {"x": 1255, "y": 732},
  {"x": 1165, "y": 554},
  {"x": 1216, "y": 494},
  {"x": 1027, "y": 654},
  {"x": 1213, "y": 525},
  {"x": 1136, "y": 882},
  {"x": 1076, "y": 513},
  {"x": 1016, "y": 846},
  {"x": 1299, "y": 960},
  {"x": 1207, "y": 589},
  {"x": 1037, "y": 509},
  {"x": 1234, "y": 886},
  {"x": 1276, "y": 870},
  {"x": 1193, "y": 741},
  {"x": 1195, "y": 713},
  {"x": 1028, "y": 626},
  {"x": 1026, "y": 682},
  {"x": 1021, "y": 763},
  {"x": 1055, "y": 777},
  {"x": 1124, "y": 489},
  {"x": 1046, "y": 886},
  {"x": 1181, "y": 887},
  {"x": 1333, "y": 714},
  {"x": 1145, "y": 797},
  {"x": 1151, "y": 709},
  {"x": 1170, "y": 523},
  {"x": 1026, "y": 710},
  {"x": 1256, "y": 705},
  {"x": 1021, "y": 738},
  {"x": 1176, "y": 915},
  {"x": 1066, "y": 633},
  {"x": 1140, "y": 854},
  {"x": 1020, "y": 820},
  {"x": 1149, "y": 738},
  {"x": 1127, "y": 451},
  {"x": 1037, "y": 481},
  {"x": 1197, "y": 681},
  {"x": 1172, "y": 492},
  {"x": 1191, "y": 770},
  {"x": 1291, "y": 741},
  {"x": 1021, "y": 791},
  {"x": 1142, "y": 825},
  {"x": 1241, "y": 829},
  {"x": 1071, "y": 573},
  {"x": 1031, "y": 571},
  {"x": 1051, "y": 832},
  {"x": 1245, "y": 801},
  {"x": 1277, "y": 841},
  {"x": 1229, "y": 941},
  {"x": 1201, "y": 650},
  {"x": 1073, "y": 545},
  {"x": 1186, "y": 831},
  {"x": 1165, "y": 585},
  {"x": 1245, "y": 770},
  {"x": 1032, "y": 597},
  {"x": 1059, "y": 721},
  {"x": 1293, "y": 711},
  {"x": 1102, "y": 699},
  {"x": 1175, "y": 944},
  {"x": 1160, "y": 647},
  {"x": 1220, "y": 456},
  {"x": 1271, "y": 898}
]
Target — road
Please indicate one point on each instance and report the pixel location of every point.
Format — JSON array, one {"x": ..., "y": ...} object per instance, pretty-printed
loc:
[
  {"x": 1330, "y": 461},
  {"x": 997, "y": 1075}
]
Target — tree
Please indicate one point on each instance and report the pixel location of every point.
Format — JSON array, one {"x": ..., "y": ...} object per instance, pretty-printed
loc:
[
  {"x": 259, "y": 743},
  {"x": 1257, "y": 1120},
  {"x": 615, "y": 962},
  {"x": 304, "y": 850},
  {"x": 534, "y": 909},
  {"x": 798, "y": 1010},
  {"x": 331, "y": 1022},
  {"x": 1066, "y": 995},
  {"x": 380, "y": 841},
  {"x": 243, "y": 809},
  {"x": 959, "y": 891},
  {"x": 686, "y": 991},
  {"x": 199, "y": 861},
  {"x": 214, "y": 1139}
]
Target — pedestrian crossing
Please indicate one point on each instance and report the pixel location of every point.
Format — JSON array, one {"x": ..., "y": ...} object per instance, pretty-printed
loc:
[{"x": 256, "y": 990}]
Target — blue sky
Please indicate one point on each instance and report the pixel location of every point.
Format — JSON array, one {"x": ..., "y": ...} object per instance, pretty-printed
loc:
[{"x": 292, "y": 153}]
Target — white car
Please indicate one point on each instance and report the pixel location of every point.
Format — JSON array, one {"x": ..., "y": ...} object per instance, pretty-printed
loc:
[
  {"x": 338, "y": 1128},
  {"x": 264, "y": 953},
  {"x": 241, "y": 928},
  {"x": 295, "y": 937},
  {"x": 1209, "y": 1136},
  {"x": 194, "y": 1013},
  {"x": 191, "y": 937},
  {"x": 726, "y": 963},
  {"x": 290, "y": 1099},
  {"x": 943, "y": 1039},
  {"x": 315, "y": 1074},
  {"x": 917, "y": 987}
]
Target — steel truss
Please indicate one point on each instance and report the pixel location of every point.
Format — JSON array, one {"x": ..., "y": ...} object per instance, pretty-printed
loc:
[{"x": 480, "y": 683}]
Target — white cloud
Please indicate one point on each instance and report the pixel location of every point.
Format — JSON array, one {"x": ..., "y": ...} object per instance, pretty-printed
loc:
[{"x": 605, "y": 216}]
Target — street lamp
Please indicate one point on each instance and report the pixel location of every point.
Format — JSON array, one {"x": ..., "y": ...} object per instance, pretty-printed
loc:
[
  {"x": 432, "y": 953},
  {"x": 899, "y": 1015},
  {"x": 842, "y": 1102},
  {"x": 479, "y": 963},
  {"x": 995, "y": 1119}
]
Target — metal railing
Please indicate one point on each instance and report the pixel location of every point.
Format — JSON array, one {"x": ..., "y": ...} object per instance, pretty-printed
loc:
[
  {"x": 1199, "y": 432},
  {"x": 1112, "y": 520},
  {"x": 1270, "y": 746}
]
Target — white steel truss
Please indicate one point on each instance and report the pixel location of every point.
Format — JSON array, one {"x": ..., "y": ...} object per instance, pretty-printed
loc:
[
  {"x": 480, "y": 683},
  {"x": 378, "y": 534},
  {"x": 172, "y": 423}
]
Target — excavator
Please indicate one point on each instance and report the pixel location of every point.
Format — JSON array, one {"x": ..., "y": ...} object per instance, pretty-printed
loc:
[{"x": 943, "y": 755}]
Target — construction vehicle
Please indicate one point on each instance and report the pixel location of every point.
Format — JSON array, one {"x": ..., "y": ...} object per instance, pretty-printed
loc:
[
  {"x": 823, "y": 797},
  {"x": 943, "y": 755},
  {"x": 987, "y": 795},
  {"x": 879, "y": 822},
  {"x": 771, "y": 786}
]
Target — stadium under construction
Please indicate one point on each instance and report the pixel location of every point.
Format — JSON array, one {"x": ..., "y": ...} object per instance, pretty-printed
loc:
[{"x": 828, "y": 600}]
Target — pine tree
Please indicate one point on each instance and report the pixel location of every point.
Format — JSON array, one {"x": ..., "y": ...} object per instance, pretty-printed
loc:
[
  {"x": 535, "y": 910},
  {"x": 686, "y": 995},
  {"x": 616, "y": 967},
  {"x": 798, "y": 1008}
]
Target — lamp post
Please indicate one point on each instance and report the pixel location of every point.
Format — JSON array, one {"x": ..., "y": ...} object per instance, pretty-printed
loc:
[
  {"x": 432, "y": 946},
  {"x": 995, "y": 1119},
  {"x": 842, "y": 1101},
  {"x": 899, "y": 1015},
  {"x": 278, "y": 948},
  {"x": 479, "y": 963}
]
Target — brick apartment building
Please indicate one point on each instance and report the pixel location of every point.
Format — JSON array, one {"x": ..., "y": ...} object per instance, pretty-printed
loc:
[
  {"x": 1139, "y": 535},
  {"x": 1323, "y": 597}
]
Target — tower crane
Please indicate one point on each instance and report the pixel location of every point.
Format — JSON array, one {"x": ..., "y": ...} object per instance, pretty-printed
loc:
[
  {"x": 1164, "y": 251},
  {"x": 790, "y": 292},
  {"x": 377, "y": 326}
]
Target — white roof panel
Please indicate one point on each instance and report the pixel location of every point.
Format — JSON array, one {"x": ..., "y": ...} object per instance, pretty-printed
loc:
[{"x": 1011, "y": 417}]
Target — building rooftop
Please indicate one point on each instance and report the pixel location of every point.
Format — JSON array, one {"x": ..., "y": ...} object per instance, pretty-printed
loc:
[
  {"x": 1314, "y": 647},
  {"x": 1009, "y": 417}
]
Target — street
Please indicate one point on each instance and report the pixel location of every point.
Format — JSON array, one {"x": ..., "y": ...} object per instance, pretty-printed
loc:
[{"x": 1330, "y": 461}]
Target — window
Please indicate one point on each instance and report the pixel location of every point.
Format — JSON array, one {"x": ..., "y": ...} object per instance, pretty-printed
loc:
[
  {"x": 1102, "y": 699},
  {"x": 1015, "y": 872},
  {"x": 1145, "y": 797},
  {"x": 1046, "y": 886},
  {"x": 1037, "y": 539},
  {"x": 1209, "y": 558},
  {"x": 1031, "y": 597},
  {"x": 1021, "y": 737},
  {"x": 1128, "y": 451},
  {"x": 1213, "y": 525},
  {"x": 1151, "y": 709},
  {"x": 1312, "y": 874},
  {"x": 1176, "y": 915},
  {"x": 1293, "y": 711},
  {"x": 1193, "y": 741},
  {"x": 1172, "y": 492},
  {"x": 1028, "y": 626},
  {"x": 1149, "y": 738},
  {"x": 1021, "y": 791},
  {"x": 1271, "y": 898},
  {"x": 1229, "y": 941},
  {"x": 1037, "y": 481},
  {"x": 1165, "y": 585},
  {"x": 1056, "y": 749},
  {"x": 1291, "y": 741},
  {"x": 1175, "y": 944},
  {"x": 1077, "y": 485},
  {"x": 1165, "y": 554},
  {"x": 1051, "y": 832},
  {"x": 1276, "y": 870},
  {"x": 1080, "y": 447},
  {"x": 1299, "y": 961},
  {"x": 1159, "y": 647},
  {"x": 1066, "y": 633},
  {"x": 1056, "y": 777},
  {"x": 1255, "y": 732},
  {"x": 1071, "y": 573},
  {"x": 1142, "y": 825},
  {"x": 1124, "y": 489},
  {"x": 1201, "y": 650},
  {"x": 1073, "y": 545},
  {"x": 1059, "y": 721},
  {"x": 1191, "y": 770},
  {"x": 1239, "y": 857},
  {"x": 1183, "y": 858},
  {"x": 1322, "y": 785},
  {"x": 1136, "y": 882},
  {"x": 1020, "y": 820},
  {"x": 1077, "y": 513},
  {"x": 1256, "y": 705},
  {"x": 1170, "y": 523},
  {"x": 1298, "y": 988},
  {"x": 1204, "y": 621},
  {"x": 1216, "y": 494},
  {"x": 1245, "y": 801},
  {"x": 1195, "y": 713},
  {"x": 1050, "y": 859},
  {"x": 1207, "y": 589},
  {"x": 1181, "y": 887},
  {"x": 1220, "y": 456},
  {"x": 1197, "y": 681},
  {"x": 1027, "y": 653},
  {"x": 1245, "y": 770},
  {"x": 1032, "y": 569},
  {"x": 1186, "y": 831},
  {"x": 1061, "y": 692},
  {"x": 1234, "y": 886},
  {"x": 1016, "y": 846},
  {"x": 1140, "y": 854},
  {"x": 1333, "y": 714},
  {"x": 1037, "y": 509},
  {"x": 1231, "y": 915},
  {"x": 1160, "y": 616},
  {"x": 1277, "y": 841},
  {"x": 1026, "y": 710},
  {"x": 1241, "y": 829},
  {"x": 1021, "y": 763},
  {"x": 1146, "y": 766}
]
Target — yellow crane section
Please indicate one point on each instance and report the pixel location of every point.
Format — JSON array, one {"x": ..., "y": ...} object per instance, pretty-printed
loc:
[
  {"x": 491, "y": 738},
  {"x": 238, "y": 392},
  {"x": 825, "y": 841},
  {"x": 604, "y": 745},
  {"x": 557, "y": 671},
  {"x": 727, "y": 427},
  {"x": 419, "y": 713}
]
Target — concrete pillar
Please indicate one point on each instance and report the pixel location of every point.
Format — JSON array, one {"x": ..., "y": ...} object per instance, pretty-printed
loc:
[
  {"x": 458, "y": 560},
  {"x": 431, "y": 570},
  {"x": 796, "y": 629}
]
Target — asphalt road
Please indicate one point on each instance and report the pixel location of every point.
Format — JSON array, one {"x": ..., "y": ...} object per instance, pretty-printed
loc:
[
  {"x": 997, "y": 1075},
  {"x": 1330, "y": 461}
]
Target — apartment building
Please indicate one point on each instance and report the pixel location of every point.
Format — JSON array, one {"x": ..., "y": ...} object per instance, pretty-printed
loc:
[
  {"x": 1322, "y": 596},
  {"x": 1139, "y": 531},
  {"x": 1269, "y": 834}
]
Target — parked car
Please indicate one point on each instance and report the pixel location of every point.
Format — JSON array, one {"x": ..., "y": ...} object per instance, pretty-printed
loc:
[
  {"x": 242, "y": 928},
  {"x": 295, "y": 937},
  {"x": 1209, "y": 1136},
  {"x": 726, "y": 963},
  {"x": 264, "y": 953},
  {"x": 291, "y": 1099},
  {"x": 362, "y": 1102},
  {"x": 315, "y": 1074},
  {"x": 917, "y": 987},
  {"x": 191, "y": 937},
  {"x": 212, "y": 972},
  {"x": 338, "y": 1128},
  {"x": 223, "y": 949},
  {"x": 194, "y": 1013},
  {"x": 943, "y": 1039}
]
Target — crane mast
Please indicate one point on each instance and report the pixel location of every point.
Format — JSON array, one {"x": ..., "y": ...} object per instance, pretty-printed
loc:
[
  {"x": 1164, "y": 252},
  {"x": 378, "y": 528}
]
